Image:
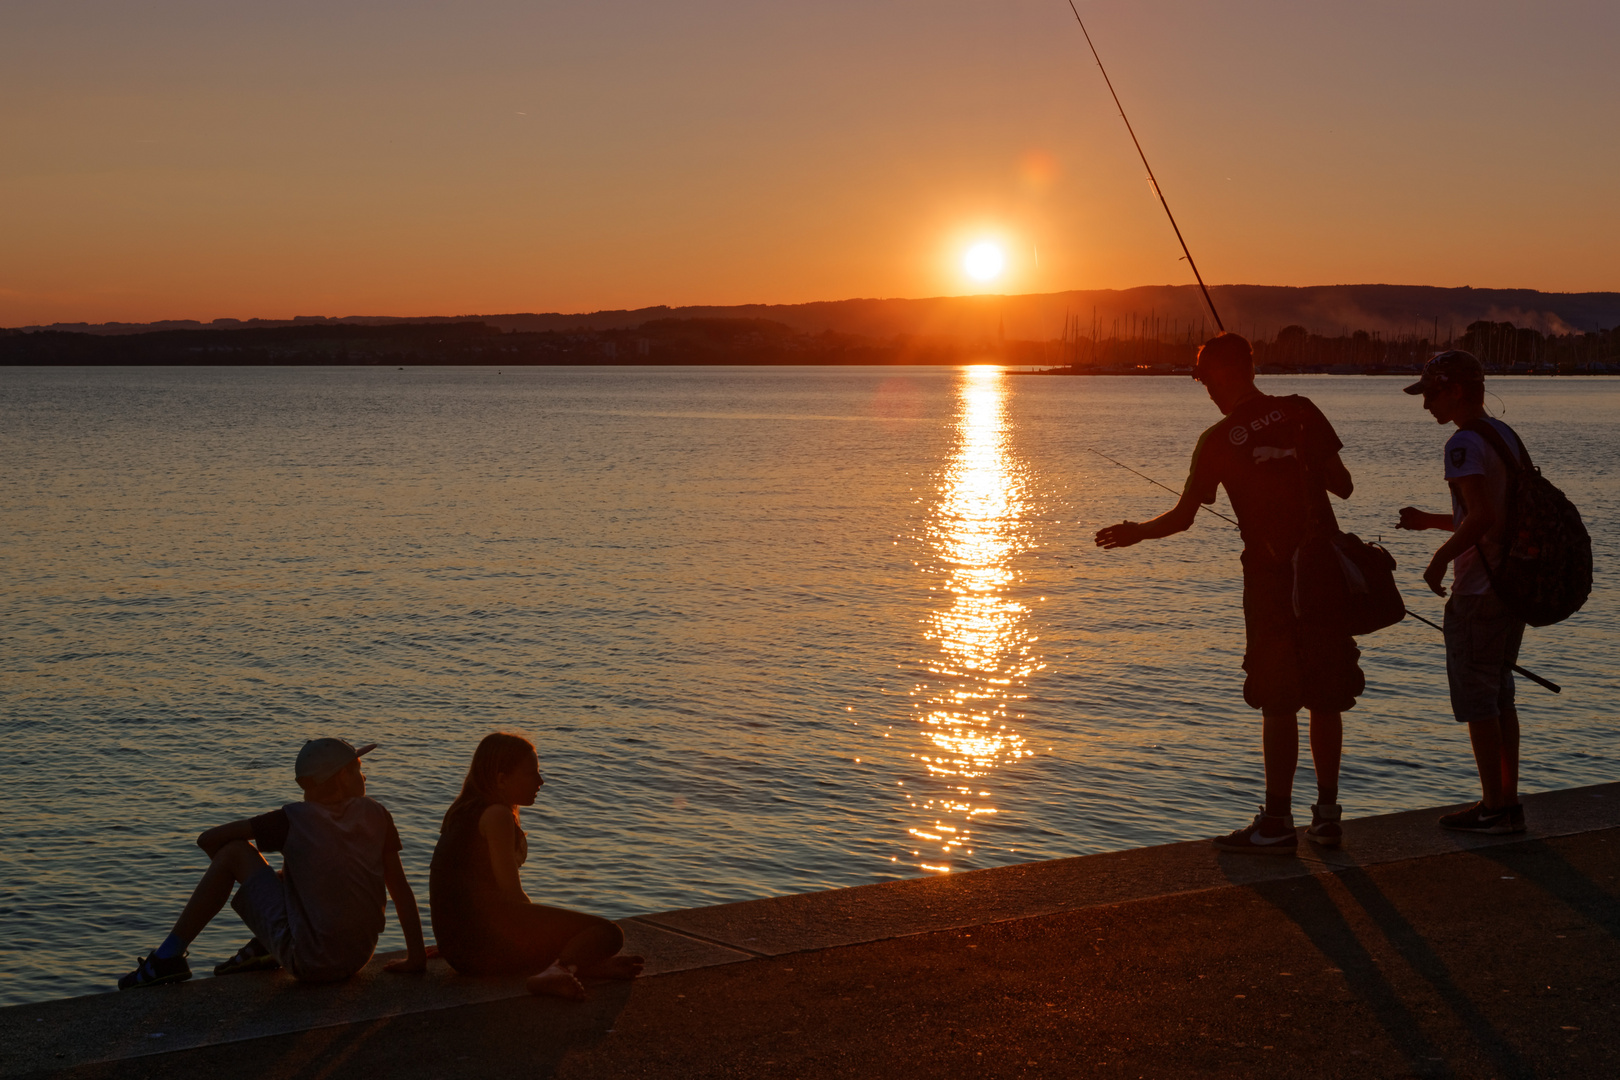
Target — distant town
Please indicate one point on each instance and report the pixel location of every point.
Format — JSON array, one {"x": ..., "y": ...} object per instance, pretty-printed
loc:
[
  {"x": 1151, "y": 330},
  {"x": 1504, "y": 348}
]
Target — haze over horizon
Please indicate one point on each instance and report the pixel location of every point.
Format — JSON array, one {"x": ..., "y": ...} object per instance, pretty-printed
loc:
[{"x": 189, "y": 161}]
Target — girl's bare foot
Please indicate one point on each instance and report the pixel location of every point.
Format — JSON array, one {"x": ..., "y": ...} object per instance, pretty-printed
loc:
[
  {"x": 556, "y": 981},
  {"x": 623, "y": 966}
]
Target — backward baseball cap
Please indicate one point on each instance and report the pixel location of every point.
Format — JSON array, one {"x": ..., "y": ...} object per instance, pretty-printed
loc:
[
  {"x": 321, "y": 759},
  {"x": 1452, "y": 367}
]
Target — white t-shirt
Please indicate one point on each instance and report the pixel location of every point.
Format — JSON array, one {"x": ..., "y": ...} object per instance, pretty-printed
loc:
[
  {"x": 334, "y": 860},
  {"x": 1468, "y": 454}
]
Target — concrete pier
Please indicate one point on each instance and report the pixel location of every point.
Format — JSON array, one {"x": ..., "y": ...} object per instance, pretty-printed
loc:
[{"x": 1409, "y": 952}]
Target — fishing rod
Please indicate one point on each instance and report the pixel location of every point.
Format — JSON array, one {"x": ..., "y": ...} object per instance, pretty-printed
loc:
[
  {"x": 1151, "y": 178},
  {"x": 1532, "y": 676},
  {"x": 1150, "y": 480}
]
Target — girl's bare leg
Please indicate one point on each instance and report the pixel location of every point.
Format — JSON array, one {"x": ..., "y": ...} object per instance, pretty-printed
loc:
[
  {"x": 556, "y": 981},
  {"x": 592, "y": 953}
]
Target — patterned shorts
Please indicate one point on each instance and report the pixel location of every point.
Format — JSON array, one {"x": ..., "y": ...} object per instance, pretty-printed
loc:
[{"x": 1482, "y": 645}]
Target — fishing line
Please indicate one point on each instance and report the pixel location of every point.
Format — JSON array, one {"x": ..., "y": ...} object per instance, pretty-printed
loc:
[
  {"x": 1153, "y": 180},
  {"x": 1150, "y": 480}
]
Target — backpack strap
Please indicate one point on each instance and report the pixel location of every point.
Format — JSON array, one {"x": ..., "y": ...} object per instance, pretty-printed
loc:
[
  {"x": 1516, "y": 467},
  {"x": 1488, "y": 432}
]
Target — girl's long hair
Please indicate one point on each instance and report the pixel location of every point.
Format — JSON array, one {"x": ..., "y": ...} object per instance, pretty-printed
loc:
[{"x": 499, "y": 752}]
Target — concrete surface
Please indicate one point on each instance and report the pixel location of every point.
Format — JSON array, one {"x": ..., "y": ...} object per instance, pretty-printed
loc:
[{"x": 1411, "y": 952}]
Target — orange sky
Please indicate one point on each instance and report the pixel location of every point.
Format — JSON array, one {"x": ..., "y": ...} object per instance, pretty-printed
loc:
[{"x": 197, "y": 159}]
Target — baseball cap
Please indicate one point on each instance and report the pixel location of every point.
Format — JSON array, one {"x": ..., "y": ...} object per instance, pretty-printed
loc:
[
  {"x": 320, "y": 759},
  {"x": 1454, "y": 366}
]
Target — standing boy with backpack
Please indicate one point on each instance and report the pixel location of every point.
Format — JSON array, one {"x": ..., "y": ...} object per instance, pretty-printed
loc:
[{"x": 1482, "y": 633}]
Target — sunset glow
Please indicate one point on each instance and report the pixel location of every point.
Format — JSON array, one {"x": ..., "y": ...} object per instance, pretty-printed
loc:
[
  {"x": 984, "y": 261},
  {"x": 166, "y": 167},
  {"x": 986, "y": 651}
]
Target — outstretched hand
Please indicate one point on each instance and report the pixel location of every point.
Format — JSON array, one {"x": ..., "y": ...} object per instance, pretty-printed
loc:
[
  {"x": 1122, "y": 535},
  {"x": 1418, "y": 520}
]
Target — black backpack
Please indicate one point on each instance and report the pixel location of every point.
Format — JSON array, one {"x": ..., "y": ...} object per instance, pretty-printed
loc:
[{"x": 1545, "y": 573}]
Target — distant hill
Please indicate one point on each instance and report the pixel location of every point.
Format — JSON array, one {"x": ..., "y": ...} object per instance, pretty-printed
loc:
[{"x": 1258, "y": 311}]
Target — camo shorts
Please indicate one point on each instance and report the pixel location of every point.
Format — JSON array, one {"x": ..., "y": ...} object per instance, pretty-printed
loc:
[{"x": 1292, "y": 664}]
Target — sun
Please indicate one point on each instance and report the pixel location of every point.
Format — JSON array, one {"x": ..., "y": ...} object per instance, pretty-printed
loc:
[{"x": 984, "y": 261}]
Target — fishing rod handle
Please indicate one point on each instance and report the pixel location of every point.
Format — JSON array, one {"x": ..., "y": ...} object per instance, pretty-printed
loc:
[{"x": 1533, "y": 677}]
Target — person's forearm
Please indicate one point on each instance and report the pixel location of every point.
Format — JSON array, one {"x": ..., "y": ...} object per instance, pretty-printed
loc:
[
  {"x": 1473, "y": 528},
  {"x": 410, "y": 923},
  {"x": 1418, "y": 520},
  {"x": 220, "y": 835},
  {"x": 1177, "y": 519},
  {"x": 1169, "y": 523}
]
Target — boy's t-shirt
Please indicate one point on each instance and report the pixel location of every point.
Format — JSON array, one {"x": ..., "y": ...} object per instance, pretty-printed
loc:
[
  {"x": 1260, "y": 453},
  {"x": 332, "y": 865},
  {"x": 1468, "y": 454}
]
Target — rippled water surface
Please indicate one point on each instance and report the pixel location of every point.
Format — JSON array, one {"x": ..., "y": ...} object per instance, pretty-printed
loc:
[{"x": 773, "y": 629}]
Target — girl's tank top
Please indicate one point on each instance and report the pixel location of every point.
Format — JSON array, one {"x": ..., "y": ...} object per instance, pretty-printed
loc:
[{"x": 463, "y": 899}]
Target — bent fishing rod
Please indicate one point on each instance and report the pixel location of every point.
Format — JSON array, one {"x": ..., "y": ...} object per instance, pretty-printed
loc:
[
  {"x": 1152, "y": 180},
  {"x": 1532, "y": 676}
]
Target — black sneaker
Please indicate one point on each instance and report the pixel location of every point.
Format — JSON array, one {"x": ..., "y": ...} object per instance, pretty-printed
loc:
[
  {"x": 1325, "y": 829},
  {"x": 1479, "y": 819},
  {"x": 154, "y": 971},
  {"x": 1516, "y": 818},
  {"x": 251, "y": 957},
  {"x": 1265, "y": 835}
]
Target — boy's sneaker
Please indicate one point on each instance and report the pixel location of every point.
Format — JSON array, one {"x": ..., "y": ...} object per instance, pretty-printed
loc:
[
  {"x": 1480, "y": 819},
  {"x": 1325, "y": 829},
  {"x": 251, "y": 957},
  {"x": 1265, "y": 835},
  {"x": 1516, "y": 818},
  {"x": 154, "y": 971}
]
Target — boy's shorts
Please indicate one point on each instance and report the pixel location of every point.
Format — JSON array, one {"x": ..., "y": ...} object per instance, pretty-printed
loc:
[
  {"x": 1292, "y": 664},
  {"x": 261, "y": 901},
  {"x": 1482, "y": 645}
]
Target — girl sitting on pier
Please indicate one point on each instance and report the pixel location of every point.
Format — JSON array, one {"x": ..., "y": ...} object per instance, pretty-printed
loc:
[{"x": 484, "y": 922}]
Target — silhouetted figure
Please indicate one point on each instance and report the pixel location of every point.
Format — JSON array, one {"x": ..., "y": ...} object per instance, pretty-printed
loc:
[
  {"x": 1277, "y": 457},
  {"x": 483, "y": 921},
  {"x": 1482, "y": 637},
  {"x": 319, "y": 918}
]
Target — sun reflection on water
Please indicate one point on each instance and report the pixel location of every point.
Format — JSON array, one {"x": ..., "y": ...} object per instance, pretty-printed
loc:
[{"x": 967, "y": 702}]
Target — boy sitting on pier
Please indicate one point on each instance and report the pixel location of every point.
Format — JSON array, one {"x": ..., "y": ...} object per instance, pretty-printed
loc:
[{"x": 319, "y": 918}]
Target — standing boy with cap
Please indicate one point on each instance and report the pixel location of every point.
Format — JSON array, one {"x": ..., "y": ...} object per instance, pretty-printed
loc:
[
  {"x": 1278, "y": 458},
  {"x": 320, "y": 917},
  {"x": 1482, "y": 637}
]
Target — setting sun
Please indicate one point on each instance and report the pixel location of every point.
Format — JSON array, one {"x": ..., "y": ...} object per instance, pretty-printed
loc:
[{"x": 984, "y": 261}]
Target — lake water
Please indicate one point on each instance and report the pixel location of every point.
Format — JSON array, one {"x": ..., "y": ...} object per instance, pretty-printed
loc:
[{"x": 772, "y": 629}]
